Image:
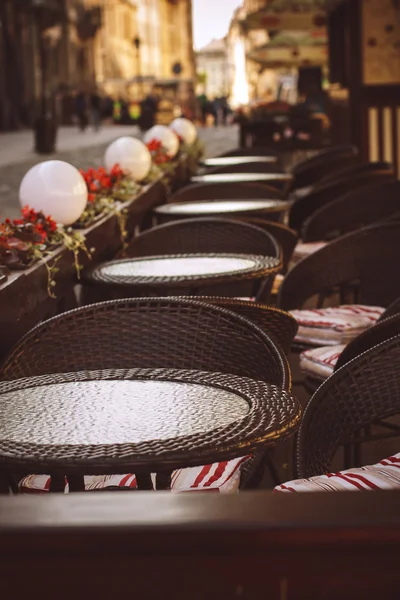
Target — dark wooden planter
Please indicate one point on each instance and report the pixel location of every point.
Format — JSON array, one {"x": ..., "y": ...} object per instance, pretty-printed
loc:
[{"x": 24, "y": 299}]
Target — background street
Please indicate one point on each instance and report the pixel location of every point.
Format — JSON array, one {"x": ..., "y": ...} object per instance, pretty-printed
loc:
[{"x": 83, "y": 150}]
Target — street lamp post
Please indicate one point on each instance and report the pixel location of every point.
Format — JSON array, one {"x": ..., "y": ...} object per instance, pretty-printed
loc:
[
  {"x": 45, "y": 125},
  {"x": 136, "y": 43}
]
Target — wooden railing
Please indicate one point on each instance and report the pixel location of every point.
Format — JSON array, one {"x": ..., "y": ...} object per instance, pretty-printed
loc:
[{"x": 256, "y": 545}]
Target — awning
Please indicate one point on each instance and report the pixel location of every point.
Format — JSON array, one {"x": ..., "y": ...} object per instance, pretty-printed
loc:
[
  {"x": 295, "y": 39},
  {"x": 285, "y": 56},
  {"x": 290, "y": 15}
]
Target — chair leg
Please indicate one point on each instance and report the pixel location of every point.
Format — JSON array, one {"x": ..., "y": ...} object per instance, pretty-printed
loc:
[
  {"x": 163, "y": 480},
  {"x": 347, "y": 456},
  {"x": 144, "y": 481},
  {"x": 272, "y": 469},
  {"x": 57, "y": 484},
  {"x": 266, "y": 461},
  {"x": 358, "y": 454},
  {"x": 4, "y": 485}
]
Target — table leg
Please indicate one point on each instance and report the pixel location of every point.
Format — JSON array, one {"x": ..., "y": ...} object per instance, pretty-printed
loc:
[
  {"x": 163, "y": 480},
  {"x": 4, "y": 486},
  {"x": 57, "y": 484},
  {"x": 76, "y": 483},
  {"x": 144, "y": 481}
]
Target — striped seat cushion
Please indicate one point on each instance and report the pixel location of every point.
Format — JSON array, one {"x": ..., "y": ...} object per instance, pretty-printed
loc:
[
  {"x": 320, "y": 362},
  {"x": 221, "y": 477},
  {"x": 332, "y": 326},
  {"x": 385, "y": 475}
]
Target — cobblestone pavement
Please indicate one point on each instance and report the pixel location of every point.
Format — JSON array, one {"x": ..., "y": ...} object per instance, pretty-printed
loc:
[{"x": 82, "y": 150}]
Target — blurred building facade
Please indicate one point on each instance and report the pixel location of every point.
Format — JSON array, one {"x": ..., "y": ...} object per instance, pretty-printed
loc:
[
  {"x": 214, "y": 69},
  {"x": 53, "y": 47},
  {"x": 143, "y": 42},
  {"x": 259, "y": 81}
]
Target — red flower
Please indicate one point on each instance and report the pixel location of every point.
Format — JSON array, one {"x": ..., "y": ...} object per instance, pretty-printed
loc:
[
  {"x": 40, "y": 231},
  {"x": 154, "y": 145},
  {"x": 106, "y": 182},
  {"x": 51, "y": 224},
  {"x": 116, "y": 171}
]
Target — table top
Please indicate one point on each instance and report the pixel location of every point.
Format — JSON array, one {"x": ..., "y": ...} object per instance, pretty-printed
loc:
[
  {"x": 140, "y": 418},
  {"x": 184, "y": 268},
  {"x": 225, "y": 161},
  {"x": 209, "y": 207},
  {"x": 240, "y": 177}
]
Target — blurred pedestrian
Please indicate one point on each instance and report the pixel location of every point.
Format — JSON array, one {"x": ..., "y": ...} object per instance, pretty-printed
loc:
[
  {"x": 202, "y": 101},
  {"x": 226, "y": 110},
  {"x": 81, "y": 110},
  {"x": 149, "y": 108},
  {"x": 210, "y": 112},
  {"x": 107, "y": 108},
  {"x": 95, "y": 110},
  {"x": 218, "y": 111}
]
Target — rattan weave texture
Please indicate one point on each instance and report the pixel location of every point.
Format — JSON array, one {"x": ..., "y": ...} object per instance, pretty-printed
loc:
[
  {"x": 148, "y": 333},
  {"x": 201, "y": 234},
  {"x": 362, "y": 392},
  {"x": 272, "y": 415},
  {"x": 277, "y": 324},
  {"x": 224, "y": 191},
  {"x": 365, "y": 257},
  {"x": 141, "y": 271}
]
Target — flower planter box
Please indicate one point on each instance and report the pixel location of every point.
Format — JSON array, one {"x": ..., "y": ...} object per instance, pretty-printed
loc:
[{"x": 24, "y": 299}]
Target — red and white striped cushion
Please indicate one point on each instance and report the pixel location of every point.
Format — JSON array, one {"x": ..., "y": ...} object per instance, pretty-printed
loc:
[
  {"x": 320, "y": 362},
  {"x": 385, "y": 475},
  {"x": 332, "y": 326},
  {"x": 221, "y": 477}
]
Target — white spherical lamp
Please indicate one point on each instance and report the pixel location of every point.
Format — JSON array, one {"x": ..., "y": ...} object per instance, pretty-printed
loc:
[
  {"x": 166, "y": 136},
  {"x": 185, "y": 130},
  {"x": 131, "y": 155},
  {"x": 55, "y": 188}
]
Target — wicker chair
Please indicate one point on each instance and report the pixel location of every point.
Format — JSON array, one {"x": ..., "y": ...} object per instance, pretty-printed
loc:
[
  {"x": 153, "y": 333},
  {"x": 253, "y": 151},
  {"x": 386, "y": 327},
  {"x": 392, "y": 309},
  {"x": 148, "y": 333},
  {"x": 321, "y": 195},
  {"x": 383, "y": 329},
  {"x": 251, "y": 167},
  {"x": 188, "y": 236},
  {"x": 364, "y": 391},
  {"x": 330, "y": 160},
  {"x": 352, "y": 211},
  {"x": 310, "y": 170},
  {"x": 363, "y": 259},
  {"x": 277, "y": 324},
  {"x": 287, "y": 238},
  {"x": 210, "y": 235},
  {"x": 354, "y": 170},
  {"x": 225, "y": 191},
  {"x": 259, "y": 168}
]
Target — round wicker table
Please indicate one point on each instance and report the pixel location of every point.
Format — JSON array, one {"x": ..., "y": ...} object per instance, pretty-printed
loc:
[
  {"x": 242, "y": 178},
  {"x": 226, "y": 208},
  {"x": 139, "y": 420},
  {"x": 192, "y": 271},
  {"x": 227, "y": 161}
]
